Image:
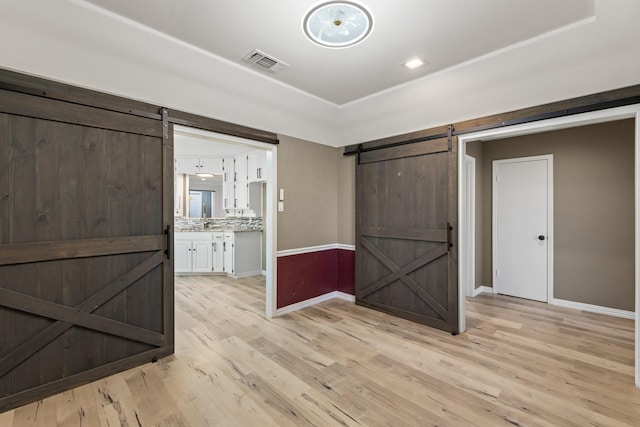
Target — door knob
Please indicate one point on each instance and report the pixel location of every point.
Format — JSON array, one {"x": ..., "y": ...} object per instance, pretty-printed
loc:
[{"x": 541, "y": 237}]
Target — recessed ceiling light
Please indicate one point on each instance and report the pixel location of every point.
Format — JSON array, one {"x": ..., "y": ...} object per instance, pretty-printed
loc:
[
  {"x": 337, "y": 24},
  {"x": 414, "y": 63}
]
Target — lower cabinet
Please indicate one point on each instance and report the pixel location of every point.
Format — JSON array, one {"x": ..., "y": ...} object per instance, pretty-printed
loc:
[
  {"x": 238, "y": 254},
  {"x": 218, "y": 253},
  {"x": 193, "y": 252}
]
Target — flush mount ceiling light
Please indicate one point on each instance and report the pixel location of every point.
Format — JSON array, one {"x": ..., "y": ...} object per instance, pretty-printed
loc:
[
  {"x": 414, "y": 63},
  {"x": 337, "y": 24}
]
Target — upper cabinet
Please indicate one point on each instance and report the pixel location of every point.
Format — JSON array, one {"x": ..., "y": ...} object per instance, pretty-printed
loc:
[
  {"x": 192, "y": 166},
  {"x": 241, "y": 167},
  {"x": 257, "y": 166}
]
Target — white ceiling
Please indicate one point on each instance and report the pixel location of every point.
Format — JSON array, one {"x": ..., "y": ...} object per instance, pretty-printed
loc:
[
  {"x": 444, "y": 32},
  {"x": 487, "y": 57}
]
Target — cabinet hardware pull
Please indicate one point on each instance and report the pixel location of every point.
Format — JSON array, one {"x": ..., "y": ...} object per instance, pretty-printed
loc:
[
  {"x": 449, "y": 242},
  {"x": 167, "y": 251}
]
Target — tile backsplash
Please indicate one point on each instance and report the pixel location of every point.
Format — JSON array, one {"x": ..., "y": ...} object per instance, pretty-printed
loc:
[{"x": 228, "y": 223}]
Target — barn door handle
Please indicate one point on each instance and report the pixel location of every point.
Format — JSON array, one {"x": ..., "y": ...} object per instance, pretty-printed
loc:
[
  {"x": 449, "y": 242},
  {"x": 167, "y": 251}
]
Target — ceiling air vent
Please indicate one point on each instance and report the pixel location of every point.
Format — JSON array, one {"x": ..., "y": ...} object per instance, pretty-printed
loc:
[{"x": 265, "y": 62}]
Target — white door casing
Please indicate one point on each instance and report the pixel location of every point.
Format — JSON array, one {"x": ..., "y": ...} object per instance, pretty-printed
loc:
[
  {"x": 523, "y": 227},
  {"x": 467, "y": 227}
]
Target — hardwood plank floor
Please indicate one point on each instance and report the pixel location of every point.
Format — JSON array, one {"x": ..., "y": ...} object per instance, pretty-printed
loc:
[{"x": 337, "y": 364}]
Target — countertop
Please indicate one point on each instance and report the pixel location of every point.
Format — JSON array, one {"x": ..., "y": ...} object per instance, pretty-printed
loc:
[{"x": 215, "y": 229}]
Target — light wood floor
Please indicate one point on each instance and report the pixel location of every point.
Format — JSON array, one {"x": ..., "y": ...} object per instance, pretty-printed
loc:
[{"x": 336, "y": 364}]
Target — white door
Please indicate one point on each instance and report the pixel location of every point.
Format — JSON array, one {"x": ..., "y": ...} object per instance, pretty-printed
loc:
[{"x": 522, "y": 226}]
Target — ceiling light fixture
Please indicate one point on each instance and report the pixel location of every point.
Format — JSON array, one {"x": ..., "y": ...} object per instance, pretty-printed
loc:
[
  {"x": 206, "y": 175},
  {"x": 337, "y": 24},
  {"x": 414, "y": 63}
]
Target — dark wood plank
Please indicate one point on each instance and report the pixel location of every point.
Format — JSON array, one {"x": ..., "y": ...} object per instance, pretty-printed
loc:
[
  {"x": 50, "y": 109},
  {"x": 405, "y": 138},
  {"x": 398, "y": 152},
  {"x": 50, "y": 310},
  {"x": 42, "y": 338},
  {"x": 23, "y": 83},
  {"x": 452, "y": 218},
  {"x": 402, "y": 271},
  {"x": 430, "y": 235},
  {"x": 205, "y": 123},
  {"x": 411, "y": 283},
  {"x": 46, "y": 251},
  {"x": 168, "y": 291}
]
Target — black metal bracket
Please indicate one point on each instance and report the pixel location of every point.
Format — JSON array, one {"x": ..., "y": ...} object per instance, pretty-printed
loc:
[
  {"x": 449, "y": 242},
  {"x": 165, "y": 123},
  {"x": 450, "y": 137}
]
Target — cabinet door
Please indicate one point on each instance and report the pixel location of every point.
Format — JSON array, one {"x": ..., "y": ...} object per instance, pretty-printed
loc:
[
  {"x": 218, "y": 253},
  {"x": 228, "y": 166},
  {"x": 188, "y": 166},
  {"x": 241, "y": 167},
  {"x": 228, "y": 195},
  {"x": 263, "y": 172},
  {"x": 228, "y": 257},
  {"x": 182, "y": 256},
  {"x": 242, "y": 195},
  {"x": 202, "y": 254},
  {"x": 212, "y": 166},
  {"x": 253, "y": 166}
]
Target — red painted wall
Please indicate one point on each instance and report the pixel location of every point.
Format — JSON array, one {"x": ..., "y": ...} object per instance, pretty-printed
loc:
[{"x": 309, "y": 275}]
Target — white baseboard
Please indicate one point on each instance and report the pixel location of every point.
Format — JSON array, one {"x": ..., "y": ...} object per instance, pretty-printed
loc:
[
  {"x": 482, "y": 290},
  {"x": 314, "y": 301},
  {"x": 345, "y": 296},
  {"x": 311, "y": 249},
  {"x": 593, "y": 308},
  {"x": 249, "y": 274}
]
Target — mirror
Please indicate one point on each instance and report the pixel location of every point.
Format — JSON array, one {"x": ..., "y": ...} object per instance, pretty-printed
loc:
[{"x": 199, "y": 197}]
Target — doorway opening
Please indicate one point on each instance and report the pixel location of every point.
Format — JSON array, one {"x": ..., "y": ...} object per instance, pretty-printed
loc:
[
  {"x": 226, "y": 185},
  {"x": 610, "y": 115}
]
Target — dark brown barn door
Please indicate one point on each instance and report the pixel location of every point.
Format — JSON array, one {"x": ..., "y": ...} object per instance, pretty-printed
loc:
[
  {"x": 85, "y": 284},
  {"x": 406, "y": 213}
]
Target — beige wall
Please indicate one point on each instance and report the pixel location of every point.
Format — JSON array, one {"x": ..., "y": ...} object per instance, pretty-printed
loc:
[
  {"x": 593, "y": 209},
  {"x": 346, "y": 198},
  {"x": 308, "y": 173}
]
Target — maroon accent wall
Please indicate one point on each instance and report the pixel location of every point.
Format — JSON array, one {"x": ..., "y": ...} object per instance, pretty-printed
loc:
[
  {"x": 309, "y": 275},
  {"x": 346, "y": 271}
]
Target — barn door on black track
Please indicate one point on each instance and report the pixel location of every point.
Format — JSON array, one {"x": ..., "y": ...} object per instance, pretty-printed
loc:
[{"x": 406, "y": 227}]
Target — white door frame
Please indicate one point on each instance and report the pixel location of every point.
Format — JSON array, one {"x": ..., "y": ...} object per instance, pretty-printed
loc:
[
  {"x": 609, "y": 115},
  {"x": 270, "y": 224},
  {"x": 494, "y": 219},
  {"x": 468, "y": 227}
]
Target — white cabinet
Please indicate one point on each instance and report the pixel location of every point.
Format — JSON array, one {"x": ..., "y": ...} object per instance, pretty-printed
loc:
[
  {"x": 228, "y": 195},
  {"x": 240, "y": 168},
  {"x": 182, "y": 255},
  {"x": 228, "y": 166},
  {"x": 192, "y": 166},
  {"x": 249, "y": 196},
  {"x": 218, "y": 252},
  {"x": 193, "y": 252},
  {"x": 236, "y": 253},
  {"x": 228, "y": 252},
  {"x": 257, "y": 166},
  {"x": 243, "y": 253}
]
